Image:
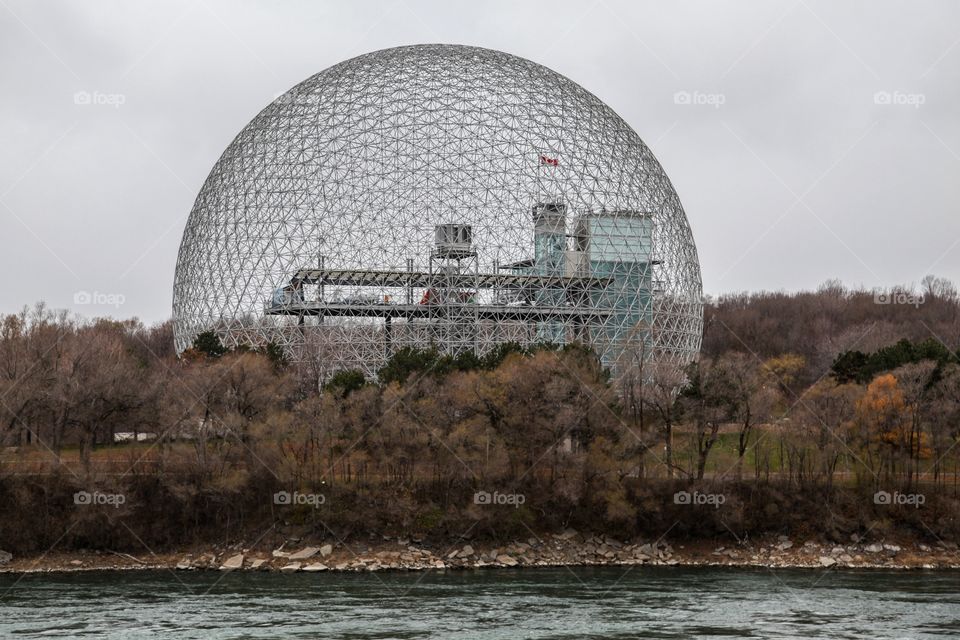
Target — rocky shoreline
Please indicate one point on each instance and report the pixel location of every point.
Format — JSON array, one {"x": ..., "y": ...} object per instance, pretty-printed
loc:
[{"x": 568, "y": 548}]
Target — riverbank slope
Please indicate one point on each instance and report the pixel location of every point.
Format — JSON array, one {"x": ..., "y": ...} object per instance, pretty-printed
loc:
[{"x": 568, "y": 548}]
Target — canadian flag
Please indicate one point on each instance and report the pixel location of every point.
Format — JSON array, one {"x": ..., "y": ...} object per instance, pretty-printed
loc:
[{"x": 553, "y": 162}]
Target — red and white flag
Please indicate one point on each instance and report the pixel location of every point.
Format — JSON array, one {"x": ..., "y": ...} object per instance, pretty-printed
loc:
[{"x": 553, "y": 162}]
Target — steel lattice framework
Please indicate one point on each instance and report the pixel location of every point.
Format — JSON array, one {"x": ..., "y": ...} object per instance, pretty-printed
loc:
[{"x": 439, "y": 195}]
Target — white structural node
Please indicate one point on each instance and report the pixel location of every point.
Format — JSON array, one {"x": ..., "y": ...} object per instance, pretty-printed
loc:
[{"x": 444, "y": 196}]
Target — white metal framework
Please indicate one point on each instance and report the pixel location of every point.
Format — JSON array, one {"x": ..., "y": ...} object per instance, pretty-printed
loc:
[{"x": 439, "y": 195}]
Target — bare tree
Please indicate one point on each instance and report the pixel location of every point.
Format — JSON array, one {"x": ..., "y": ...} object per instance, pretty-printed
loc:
[
  {"x": 944, "y": 417},
  {"x": 660, "y": 393},
  {"x": 752, "y": 393},
  {"x": 828, "y": 410},
  {"x": 915, "y": 381}
]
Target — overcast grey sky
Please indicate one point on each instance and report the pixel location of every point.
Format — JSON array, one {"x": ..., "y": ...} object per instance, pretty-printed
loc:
[{"x": 807, "y": 140}]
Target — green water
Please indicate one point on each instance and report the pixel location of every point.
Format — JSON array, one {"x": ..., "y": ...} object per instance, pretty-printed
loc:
[{"x": 640, "y": 602}]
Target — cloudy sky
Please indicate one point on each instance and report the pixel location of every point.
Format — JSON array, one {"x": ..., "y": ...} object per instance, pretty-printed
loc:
[{"x": 807, "y": 140}]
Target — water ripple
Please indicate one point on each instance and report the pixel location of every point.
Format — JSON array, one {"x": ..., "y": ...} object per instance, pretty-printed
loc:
[{"x": 596, "y": 603}]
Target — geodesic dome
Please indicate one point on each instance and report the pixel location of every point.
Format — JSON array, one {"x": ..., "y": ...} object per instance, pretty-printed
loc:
[{"x": 439, "y": 195}]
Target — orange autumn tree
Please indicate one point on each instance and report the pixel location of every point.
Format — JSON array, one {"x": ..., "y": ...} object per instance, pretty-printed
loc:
[{"x": 883, "y": 426}]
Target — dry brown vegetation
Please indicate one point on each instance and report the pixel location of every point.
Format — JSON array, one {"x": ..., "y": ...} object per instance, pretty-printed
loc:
[{"x": 760, "y": 420}]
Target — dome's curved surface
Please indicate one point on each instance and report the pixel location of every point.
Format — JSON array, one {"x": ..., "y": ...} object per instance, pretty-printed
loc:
[{"x": 350, "y": 172}]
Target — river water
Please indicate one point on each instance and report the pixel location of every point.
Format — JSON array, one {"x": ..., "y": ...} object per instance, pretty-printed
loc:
[{"x": 608, "y": 602}]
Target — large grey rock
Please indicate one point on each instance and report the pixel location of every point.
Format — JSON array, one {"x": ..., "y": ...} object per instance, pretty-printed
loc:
[
  {"x": 613, "y": 542},
  {"x": 233, "y": 562},
  {"x": 304, "y": 554},
  {"x": 293, "y": 567},
  {"x": 326, "y": 550}
]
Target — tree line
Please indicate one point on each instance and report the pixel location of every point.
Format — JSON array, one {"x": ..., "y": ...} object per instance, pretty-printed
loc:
[{"x": 760, "y": 408}]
